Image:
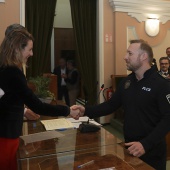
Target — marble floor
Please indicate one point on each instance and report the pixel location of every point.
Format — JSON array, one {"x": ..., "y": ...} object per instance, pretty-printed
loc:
[{"x": 120, "y": 136}]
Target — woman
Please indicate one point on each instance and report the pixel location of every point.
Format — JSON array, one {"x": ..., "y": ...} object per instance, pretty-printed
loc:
[
  {"x": 15, "y": 50},
  {"x": 28, "y": 114}
]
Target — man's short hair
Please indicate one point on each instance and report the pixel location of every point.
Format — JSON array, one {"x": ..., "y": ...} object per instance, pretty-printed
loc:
[
  {"x": 144, "y": 46},
  {"x": 164, "y": 58},
  {"x": 167, "y": 48}
]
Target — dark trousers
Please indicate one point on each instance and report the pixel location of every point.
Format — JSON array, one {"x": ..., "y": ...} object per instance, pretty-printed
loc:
[
  {"x": 156, "y": 157},
  {"x": 63, "y": 92}
]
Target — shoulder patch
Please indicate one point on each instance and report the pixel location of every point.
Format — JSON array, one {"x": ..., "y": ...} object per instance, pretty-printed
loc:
[
  {"x": 168, "y": 98},
  {"x": 127, "y": 84},
  {"x": 1, "y": 93}
]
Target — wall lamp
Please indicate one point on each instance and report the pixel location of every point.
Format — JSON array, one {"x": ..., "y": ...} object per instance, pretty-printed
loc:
[{"x": 152, "y": 26}]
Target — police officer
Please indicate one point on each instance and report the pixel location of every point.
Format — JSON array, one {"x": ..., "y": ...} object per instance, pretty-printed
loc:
[{"x": 145, "y": 98}]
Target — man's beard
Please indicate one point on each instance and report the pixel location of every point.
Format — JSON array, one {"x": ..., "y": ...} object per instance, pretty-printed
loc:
[{"x": 134, "y": 67}]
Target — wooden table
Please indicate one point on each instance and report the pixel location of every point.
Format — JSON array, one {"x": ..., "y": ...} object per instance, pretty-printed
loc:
[
  {"x": 74, "y": 149},
  {"x": 106, "y": 156}
]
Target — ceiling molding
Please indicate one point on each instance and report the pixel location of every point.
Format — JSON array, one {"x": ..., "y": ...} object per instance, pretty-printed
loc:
[{"x": 141, "y": 10}]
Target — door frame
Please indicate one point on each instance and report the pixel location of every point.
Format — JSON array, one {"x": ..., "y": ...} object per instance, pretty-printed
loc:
[{"x": 99, "y": 52}]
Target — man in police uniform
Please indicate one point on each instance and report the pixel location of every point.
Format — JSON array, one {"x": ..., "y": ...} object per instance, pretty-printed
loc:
[{"x": 145, "y": 98}]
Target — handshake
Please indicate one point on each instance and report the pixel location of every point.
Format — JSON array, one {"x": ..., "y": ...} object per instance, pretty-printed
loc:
[{"x": 77, "y": 111}]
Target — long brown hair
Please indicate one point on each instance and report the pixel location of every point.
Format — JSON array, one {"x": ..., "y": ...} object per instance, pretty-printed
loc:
[{"x": 12, "y": 46}]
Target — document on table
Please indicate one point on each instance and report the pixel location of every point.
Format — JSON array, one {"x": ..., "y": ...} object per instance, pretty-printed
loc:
[
  {"x": 59, "y": 124},
  {"x": 76, "y": 123},
  {"x": 41, "y": 136}
]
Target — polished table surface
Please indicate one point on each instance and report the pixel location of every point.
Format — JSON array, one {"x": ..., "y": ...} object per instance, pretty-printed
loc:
[
  {"x": 74, "y": 149},
  {"x": 104, "y": 157},
  {"x": 73, "y": 140}
]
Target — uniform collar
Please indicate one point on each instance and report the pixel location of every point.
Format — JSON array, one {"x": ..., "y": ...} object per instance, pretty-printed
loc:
[
  {"x": 164, "y": 72},
  {"x": 146, "y": 74},
  {"x": 149, "y": 72}
]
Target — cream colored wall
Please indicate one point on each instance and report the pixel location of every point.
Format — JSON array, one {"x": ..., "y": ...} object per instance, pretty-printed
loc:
[
  {"x": 63, "y": 15},
  {"x": 124, "y": 28},
  {"x": 9, "y": 14},
  {"x": 108, "y": 45},
  {"x": 119, "y": 26},
  {"x": 159, "y": 43}
]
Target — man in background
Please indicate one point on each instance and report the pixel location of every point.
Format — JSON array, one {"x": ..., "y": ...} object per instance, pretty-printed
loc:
[
  {"x": 154, "y": 64},
  {"x": 168, "y": 55},
  {"x": 61, "y": 72},
  {"x": 168, "y": 52},
  {"x": 72, "y": 81},
  {"x": 164, "y": 67}
]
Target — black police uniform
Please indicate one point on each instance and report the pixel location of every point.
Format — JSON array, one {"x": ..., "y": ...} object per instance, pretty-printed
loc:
[{"x": 147, "y": 113}]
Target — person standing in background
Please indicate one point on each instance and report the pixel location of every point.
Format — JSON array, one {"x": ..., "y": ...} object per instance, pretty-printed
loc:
[
  {"x": 154, "y": 64},
  {"x": 168, "y": 55},
  {"x": 61, "y": 71},
  {"x": 168, "y": 52},
  {"x": 164, "y": 67},
  {"x": 72, "y": 80}
]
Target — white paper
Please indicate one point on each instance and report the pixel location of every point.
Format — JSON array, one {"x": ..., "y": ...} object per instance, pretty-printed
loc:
[
  {"x": 41, "y": 136},
  {"x": 57, "y": 124},
  {"x": 76, "y": 123}
]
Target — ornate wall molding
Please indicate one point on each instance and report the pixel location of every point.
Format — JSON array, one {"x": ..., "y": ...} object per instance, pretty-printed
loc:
[{"x": 142, "y": 10}]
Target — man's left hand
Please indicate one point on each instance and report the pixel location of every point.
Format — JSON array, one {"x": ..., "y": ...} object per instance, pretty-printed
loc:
[{"x": 135, "y": 148}]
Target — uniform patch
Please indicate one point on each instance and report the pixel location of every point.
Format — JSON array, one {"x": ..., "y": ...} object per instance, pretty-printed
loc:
[
  {"x": 168, "y": 98},
  {"x": 146, "y": 88},
  {"x": 1, "y": 93},
  {"x": 127, "y": 84}
]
